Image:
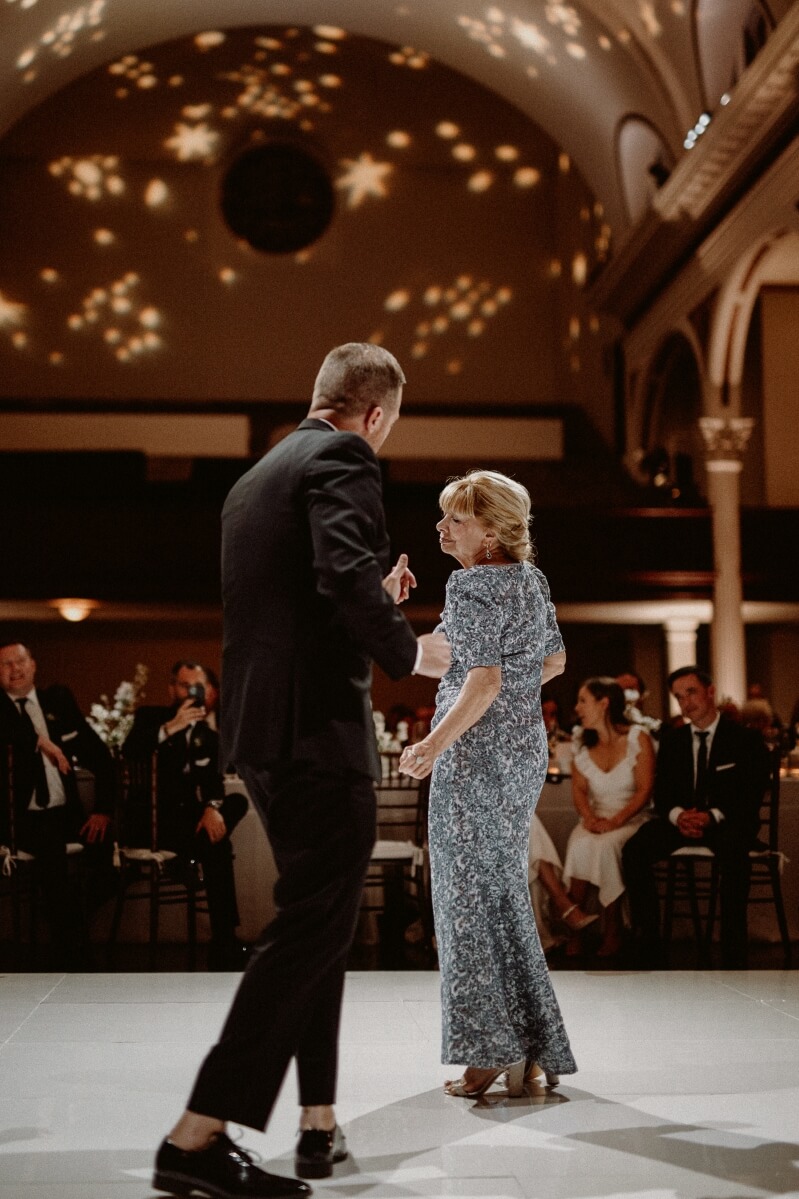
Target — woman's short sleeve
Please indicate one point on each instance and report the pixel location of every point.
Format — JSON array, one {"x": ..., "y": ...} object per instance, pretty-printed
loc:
[
  {"x": 553, "y": 642},
  {"x": 474, "y": 618}
]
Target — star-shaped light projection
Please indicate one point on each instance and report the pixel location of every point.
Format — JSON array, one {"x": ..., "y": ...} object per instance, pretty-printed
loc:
[
  {"x": 531, "y": 37},
  {"x": 127, "y": 327},
  {"x": 417, "y": 60},
  {"x": 191, "y": 142},
  {"x": 278, "y": 81},
  {"x": 60, "y": 39},
  {"x": 90, "y": 178},
  {"x": 483, "y": 178},
  {"x": 363, "y": 177},
  {"x": 497, "y": 28},
  {"x": 462, "y": 308},
  {"x": 565, "y": 16},
  {"x": 12, "y": 317},
  {"x": 649, "y": 18}
]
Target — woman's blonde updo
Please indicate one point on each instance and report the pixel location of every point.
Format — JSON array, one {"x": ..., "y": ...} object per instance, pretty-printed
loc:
[{"x": 500, "y": 503}]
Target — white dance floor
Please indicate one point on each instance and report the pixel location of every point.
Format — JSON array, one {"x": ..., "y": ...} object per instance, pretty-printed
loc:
[{"x": 688, "y": 1086}]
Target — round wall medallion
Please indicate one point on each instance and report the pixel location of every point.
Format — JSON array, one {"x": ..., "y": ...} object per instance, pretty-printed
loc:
[{"x": 278, "y": 197}]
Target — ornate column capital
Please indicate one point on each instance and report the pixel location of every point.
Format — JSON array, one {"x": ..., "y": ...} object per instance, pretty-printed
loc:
[{"x": 726, "y": 439}]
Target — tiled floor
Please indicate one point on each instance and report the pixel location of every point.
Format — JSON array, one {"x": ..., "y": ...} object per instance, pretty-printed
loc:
[{"x": 688, "y": 1086}]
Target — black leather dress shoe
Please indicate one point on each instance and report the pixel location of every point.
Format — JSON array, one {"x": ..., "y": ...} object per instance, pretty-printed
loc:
[
  {"x": 317, "y": 1152},
  {"x": 220, "y": 1171}
]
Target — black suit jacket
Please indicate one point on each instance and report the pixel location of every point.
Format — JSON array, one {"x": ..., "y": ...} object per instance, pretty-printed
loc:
[
  {"x": 738, "y": 774},
  {"x": 304, "y": 552},
  {"x": 199, "y": 751},
  {"x": 68, "y": 729},
  {"x": 182, "y": 792}
]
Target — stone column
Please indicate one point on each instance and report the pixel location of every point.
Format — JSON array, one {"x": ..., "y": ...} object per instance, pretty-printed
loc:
[
  {"x": 726, "y": 439},
  {"x": 680, "y": 648}
]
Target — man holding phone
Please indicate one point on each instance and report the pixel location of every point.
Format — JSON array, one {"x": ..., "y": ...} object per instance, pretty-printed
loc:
[{"x": 195, "y": 816}]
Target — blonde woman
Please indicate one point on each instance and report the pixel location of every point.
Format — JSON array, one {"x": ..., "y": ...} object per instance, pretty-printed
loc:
[{"x": 487, "y": 751}]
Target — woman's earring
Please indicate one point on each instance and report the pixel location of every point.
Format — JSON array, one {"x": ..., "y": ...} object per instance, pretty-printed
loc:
[{"x": 488, "y": 553}]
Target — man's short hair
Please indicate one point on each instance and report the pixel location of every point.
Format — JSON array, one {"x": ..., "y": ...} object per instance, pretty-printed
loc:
[
  {"x": 702, "y": 675},
  {"x": 5, "y": 642},
  {"x": 356, "y": 377},
  {"x": 186, "y": 664}
]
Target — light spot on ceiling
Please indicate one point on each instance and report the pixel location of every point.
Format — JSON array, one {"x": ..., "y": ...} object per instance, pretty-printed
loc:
[
  {"x": 207, "y": 41},
  {"x": 363, "y": 177},
  {"x": 90, "y": 178},
  {"x": 191, "y": 142}
]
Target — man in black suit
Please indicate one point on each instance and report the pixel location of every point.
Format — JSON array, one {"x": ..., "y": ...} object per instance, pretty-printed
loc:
[
  {"x": 709, "y": 783},
  {"x": 49, "y": 735},
  {"x": 195, "y": 815},
  {"x": 308, "y": 604}
]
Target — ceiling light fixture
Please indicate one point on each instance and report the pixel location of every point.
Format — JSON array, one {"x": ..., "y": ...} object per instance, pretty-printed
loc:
[{"x": 74, "y": 610}]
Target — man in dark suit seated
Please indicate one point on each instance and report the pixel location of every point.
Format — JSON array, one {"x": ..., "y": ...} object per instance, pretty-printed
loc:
[
  {"x": 709, "y": 783},
  {"x": 195, "y": 816},
  {"x": 49, "y": 734}
]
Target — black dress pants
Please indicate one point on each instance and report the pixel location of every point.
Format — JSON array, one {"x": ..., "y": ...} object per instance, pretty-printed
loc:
[
  {"x": 321, "y": 826},
  {"x": 216, "y": 858},
  {"x": 654, "y": 842},
  {"x": 44, "y": 833}
]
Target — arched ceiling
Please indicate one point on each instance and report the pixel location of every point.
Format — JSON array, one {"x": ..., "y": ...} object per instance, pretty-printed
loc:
[{"x": 577, "y": 69}]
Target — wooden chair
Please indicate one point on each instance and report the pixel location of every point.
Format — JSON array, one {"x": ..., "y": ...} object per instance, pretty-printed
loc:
[
  {"x": 150, "y": 873},
  {"x": 699, "y": 889},
  {"x": 399, "y": 866},
  {"x": 691, "y": 878}
]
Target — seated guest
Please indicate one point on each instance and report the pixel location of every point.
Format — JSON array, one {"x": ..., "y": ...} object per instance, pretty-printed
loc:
[
  {"x": 711, "y": 776},
  {"x": 612, "y": 778},
  {"x": 49, "y": 735},
  {"x": 195, "y": 816}
]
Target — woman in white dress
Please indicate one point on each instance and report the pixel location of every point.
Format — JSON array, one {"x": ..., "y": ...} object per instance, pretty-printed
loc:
[
  {"x": 612, "y": 778},
  {"x": 552, "y": 903}
]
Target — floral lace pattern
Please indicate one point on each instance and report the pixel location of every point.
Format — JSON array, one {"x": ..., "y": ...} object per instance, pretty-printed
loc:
[{"x": 497, "y": 999}]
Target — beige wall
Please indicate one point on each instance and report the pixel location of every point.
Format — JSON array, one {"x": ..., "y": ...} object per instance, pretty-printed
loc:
[{"x": 780, "y": 320}]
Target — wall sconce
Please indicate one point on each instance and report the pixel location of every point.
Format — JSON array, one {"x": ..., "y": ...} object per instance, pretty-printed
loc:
[{"x": 74, "y": 610}]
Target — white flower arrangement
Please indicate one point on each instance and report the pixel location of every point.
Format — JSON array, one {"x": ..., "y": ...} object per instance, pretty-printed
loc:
[
  {"x": 388, "y": 742},
  {"x": 112, "y": 722}
]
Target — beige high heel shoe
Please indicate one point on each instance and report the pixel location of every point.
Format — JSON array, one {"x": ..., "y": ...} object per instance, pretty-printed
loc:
[
  {"x": 536, "y": 1074},
  {"x": 460, "y": 1090},
  {"x": 576, "y": 920}
]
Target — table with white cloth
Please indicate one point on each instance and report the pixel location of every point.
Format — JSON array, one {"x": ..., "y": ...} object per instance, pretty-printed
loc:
[{"x": 556, "y": 811}]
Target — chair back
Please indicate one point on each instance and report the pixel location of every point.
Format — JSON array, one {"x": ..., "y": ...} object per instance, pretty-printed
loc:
[
  {"x": 138, "y": 791},
  {"x": 401, "y": 804},
  {"x": 770, "y": 804}
]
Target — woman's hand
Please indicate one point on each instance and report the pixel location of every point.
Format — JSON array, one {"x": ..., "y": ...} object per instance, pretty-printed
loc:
[
  {"x": 593, "y": 824},
  {"x": 417, "y": 760}
]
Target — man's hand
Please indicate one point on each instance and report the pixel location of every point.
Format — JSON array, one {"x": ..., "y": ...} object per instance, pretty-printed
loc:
[
  {"x": 436, "y": 655},
  {"x": 96, "y": 827},
  {"x": 692, "y": 823},
  {"x": 188, "y": 713},
  {"x": 400, "y": 580},
  {"x": 213, "y": 823},
  {"x": 53, "y": 754}
]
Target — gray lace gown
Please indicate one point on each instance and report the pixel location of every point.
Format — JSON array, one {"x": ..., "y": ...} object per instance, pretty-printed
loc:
[{"x": 497, "y": 999}]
